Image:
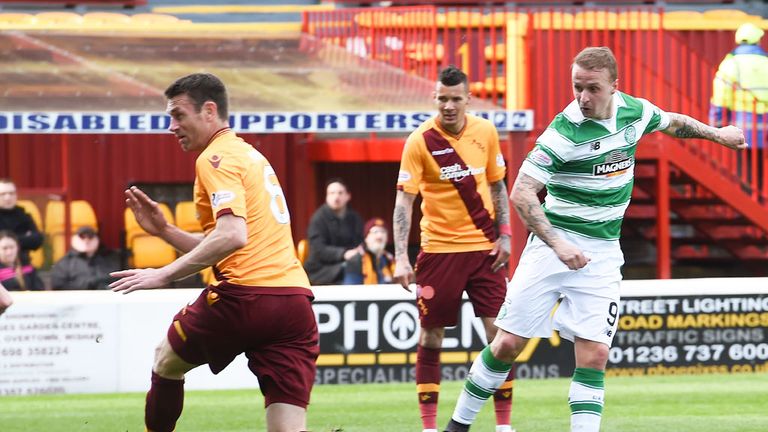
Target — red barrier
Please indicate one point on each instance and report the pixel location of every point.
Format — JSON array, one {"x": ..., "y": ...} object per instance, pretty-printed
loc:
[{"x": 520, "y": 58}]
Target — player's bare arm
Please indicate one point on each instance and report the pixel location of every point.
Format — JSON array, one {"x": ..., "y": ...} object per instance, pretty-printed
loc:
[
  {"x": 401, "y": 226},
  {"x": 526, "y": 201},
  {"x": 683, "y": 126},
  {"x": 229, "y": 235},
  {"x": 502, "y": 247},
  {"x": 151, "y": 219}
]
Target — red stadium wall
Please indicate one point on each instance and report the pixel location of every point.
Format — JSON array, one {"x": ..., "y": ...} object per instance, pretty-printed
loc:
[{"x": 101, "y": 166}]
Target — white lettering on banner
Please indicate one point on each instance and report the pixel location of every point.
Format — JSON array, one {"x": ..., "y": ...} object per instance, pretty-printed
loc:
[
  {"x": 369, "y": 326},
  {"x": 330, "y": 311},
  {"x": 261, "y": 122},
  {"x": 400, "y": 326}
]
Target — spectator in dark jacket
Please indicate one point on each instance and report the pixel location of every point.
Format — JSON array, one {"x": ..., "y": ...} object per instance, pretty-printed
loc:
[
  {"x": 335, "y": 236},
  {"x": 86, "y": 266},
  {"x": 14, "y": 219},
  {"x": 14, "y": 275}
]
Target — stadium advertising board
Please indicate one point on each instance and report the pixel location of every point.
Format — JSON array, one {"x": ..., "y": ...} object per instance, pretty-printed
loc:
[
  {"x": 698, "y": 331},
  {"x": 245, "y": 122},
  {"x": 92, "y": 342},
  {"x": 691, "y": 335},
  {"x": 367, "y": 341}
]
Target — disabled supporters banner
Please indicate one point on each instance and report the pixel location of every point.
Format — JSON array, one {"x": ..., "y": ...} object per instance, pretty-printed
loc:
[{"x": 245, "y": 122}]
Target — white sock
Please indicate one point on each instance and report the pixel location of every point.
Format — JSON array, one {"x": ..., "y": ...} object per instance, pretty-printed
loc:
[
  {"x": 485, "y": 376},
  {"x": 586, "y": 399}
]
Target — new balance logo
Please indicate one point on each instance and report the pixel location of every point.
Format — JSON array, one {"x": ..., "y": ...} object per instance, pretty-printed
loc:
[{"x": 595, "y": 146}]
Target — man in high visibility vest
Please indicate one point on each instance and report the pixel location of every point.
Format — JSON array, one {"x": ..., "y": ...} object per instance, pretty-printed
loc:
[{"x": 740, "y": 94}]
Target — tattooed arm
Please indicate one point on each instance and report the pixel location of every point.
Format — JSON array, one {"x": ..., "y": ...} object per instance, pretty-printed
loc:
[
  {"x": 503, "y": 245},
  {"x": 683, "y": 126},
  {"x": 401, "y": 227},
  {"x": 526, "y": 201}
]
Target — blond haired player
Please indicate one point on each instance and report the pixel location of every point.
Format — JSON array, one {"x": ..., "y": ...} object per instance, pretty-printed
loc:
[{"x": 585, "y": 159}]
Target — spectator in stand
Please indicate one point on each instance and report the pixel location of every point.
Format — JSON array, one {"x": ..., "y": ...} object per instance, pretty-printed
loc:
[
  {"x": 14, "y": 275},
  {"x": 13, "y": 218},
  {"x": 740, "y": 95},
  {"x": 376, "y": 264},
  {"x": 335, "y": 236},
  {"x": 5, "y": 299},
  {"x": 87, "y": 265}
]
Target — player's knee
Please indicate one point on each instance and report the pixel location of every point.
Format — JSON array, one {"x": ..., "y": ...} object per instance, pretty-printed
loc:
[
  {"x": 165, "y": 363},
  {"x": 506, "y": 346},
  {"x": 432, "y": 337},
  {"x": 597, "y": 358}
]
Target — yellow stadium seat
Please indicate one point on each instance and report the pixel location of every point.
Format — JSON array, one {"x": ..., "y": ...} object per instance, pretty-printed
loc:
[
  {"x": 640, "y": 20},
  {"x": 725, "y": 15},
  {"x": 16, "y": 18},
  {"x": 555, "y": 20},
  {"x": 106, "y": 18},
  {"x": 186, "y": 217},
  {"x": 488, "y": 86},
  {"x": 500, "y": 54},
  {"x": 81, "y": 214},
  {"x": 302, "y": 250},
  {"x": 155, "y": 19},
  {"x": 59, "y": 18},
  {"x": 147, "y": 250},
  {"x": 36, "y": 256},
  {"x": 596, "y": 19},
  {"x": 151, "y": 252},
  {"x": 498, "y": 19},
  {"x": 425, "y": 51}
]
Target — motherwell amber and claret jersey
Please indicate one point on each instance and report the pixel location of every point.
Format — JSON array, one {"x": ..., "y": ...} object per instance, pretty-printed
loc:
[
  {"x": 234, "y": 178},
  {"x": 453, "y": 175}
]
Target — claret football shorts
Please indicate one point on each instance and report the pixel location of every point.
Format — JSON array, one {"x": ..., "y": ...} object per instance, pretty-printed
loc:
[
  {"x": 590, "y": 295},
  {"x": 277, "y": 333},
  {"x": 442, "y": 278}
]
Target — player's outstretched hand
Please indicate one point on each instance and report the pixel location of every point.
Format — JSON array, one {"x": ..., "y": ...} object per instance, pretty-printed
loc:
[
  {"x": 501, "y": 250},
  {"x": 732, "y": 137},
  {"x": 404, "y": 273},
  {"x": 137, "y": 279},
  {"x": 146, "y": 210},
  {"x": 570, "y": 255}
]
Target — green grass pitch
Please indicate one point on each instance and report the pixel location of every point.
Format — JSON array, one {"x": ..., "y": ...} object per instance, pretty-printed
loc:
[{"x": 721, "y": 403}]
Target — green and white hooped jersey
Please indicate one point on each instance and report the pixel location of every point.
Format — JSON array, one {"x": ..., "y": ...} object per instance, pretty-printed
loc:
[{"x": 588, "y": 165}]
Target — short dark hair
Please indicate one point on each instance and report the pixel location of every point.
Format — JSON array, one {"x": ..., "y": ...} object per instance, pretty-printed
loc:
[
  {"x": 4, "y": 180},
  {"x": 596, "y": 58},
  {"x": 336, "y": 180},
  {"x": 451, "y": 76},
  {"x": 201, "y": 88}
]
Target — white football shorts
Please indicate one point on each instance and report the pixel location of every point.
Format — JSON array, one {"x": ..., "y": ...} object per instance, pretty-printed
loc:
[{"x": 590, "y": 295}]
